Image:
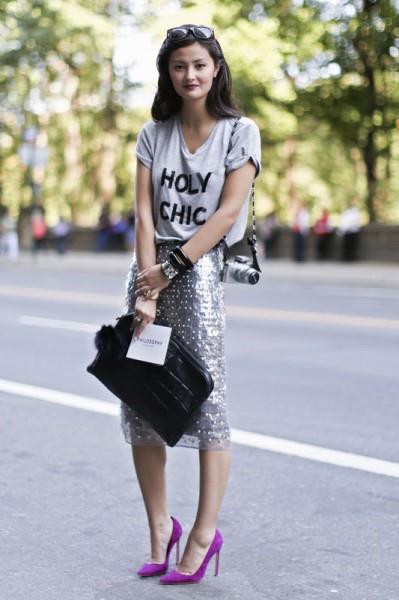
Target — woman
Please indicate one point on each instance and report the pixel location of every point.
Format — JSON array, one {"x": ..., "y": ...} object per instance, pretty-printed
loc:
[{"x": 190, "y": 192}]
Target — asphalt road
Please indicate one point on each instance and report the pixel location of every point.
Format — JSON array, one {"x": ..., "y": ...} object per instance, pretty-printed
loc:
[{"x": 313, "y": 372}]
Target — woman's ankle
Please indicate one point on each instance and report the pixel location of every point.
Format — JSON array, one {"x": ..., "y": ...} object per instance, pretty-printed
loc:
[
  {"x": 160, "y": 523},
  {"x": 202, "y": 535},
  {"x": 160, "y": 534}
]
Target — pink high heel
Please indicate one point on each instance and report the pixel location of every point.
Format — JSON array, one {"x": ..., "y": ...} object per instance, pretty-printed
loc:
[
  {"x": 175, "y": 578},
  {"x": 151, "y": 569}
]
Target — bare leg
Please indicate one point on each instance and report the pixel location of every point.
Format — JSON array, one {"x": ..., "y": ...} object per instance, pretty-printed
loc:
[
  {"x": 214, "y": 473},
  {"x": 150, "y": 463}
]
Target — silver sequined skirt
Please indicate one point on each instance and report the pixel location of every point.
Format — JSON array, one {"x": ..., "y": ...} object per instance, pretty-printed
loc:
[{"x": 193, "y": 305}]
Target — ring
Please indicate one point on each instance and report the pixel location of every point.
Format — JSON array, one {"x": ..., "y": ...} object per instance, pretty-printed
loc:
[
  {"x": 147, "y": 293},
  {"x": 154, "y": 297},
  {"x": 138, "y": 319}
]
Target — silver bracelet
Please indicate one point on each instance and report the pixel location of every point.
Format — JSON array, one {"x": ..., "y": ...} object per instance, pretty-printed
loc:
[{"x": 168, "y": 269}]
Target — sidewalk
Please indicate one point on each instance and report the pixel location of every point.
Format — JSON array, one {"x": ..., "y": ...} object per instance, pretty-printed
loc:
[{"x": 358, "y": 273}]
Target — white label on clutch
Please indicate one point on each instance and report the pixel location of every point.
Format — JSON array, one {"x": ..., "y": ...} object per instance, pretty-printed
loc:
[{"x": 152, "y": 345}]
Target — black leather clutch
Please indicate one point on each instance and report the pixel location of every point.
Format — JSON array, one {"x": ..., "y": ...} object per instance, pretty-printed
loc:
[{"x": 166, "y": 396}]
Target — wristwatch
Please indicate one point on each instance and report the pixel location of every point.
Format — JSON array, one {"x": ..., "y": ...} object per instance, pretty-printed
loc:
[{"x": 168, "y": 269}]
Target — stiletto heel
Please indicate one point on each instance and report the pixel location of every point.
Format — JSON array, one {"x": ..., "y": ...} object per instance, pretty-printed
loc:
[
  {"x": 217, "y": 562},
  {"x": 175, "y": 578},
  {"x": 151, "y": 569},
  {"x": 178, "y": 551}
]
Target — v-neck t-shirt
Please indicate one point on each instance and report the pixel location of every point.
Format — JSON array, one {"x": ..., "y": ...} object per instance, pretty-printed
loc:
[{"x": 187, "y": 186}]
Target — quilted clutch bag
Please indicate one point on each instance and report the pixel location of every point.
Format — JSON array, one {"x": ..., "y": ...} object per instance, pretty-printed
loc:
[{"x": 166, "y": 396}]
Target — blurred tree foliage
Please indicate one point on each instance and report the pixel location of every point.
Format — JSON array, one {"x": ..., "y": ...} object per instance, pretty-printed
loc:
[
  {"x": 325, "y": 75},
  {"x": 319, "y": 76},
  {"x": 56, "y": 75}
]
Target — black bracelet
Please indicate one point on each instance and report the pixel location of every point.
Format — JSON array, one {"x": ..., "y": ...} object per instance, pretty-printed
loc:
[
  {"x": 183, "y": 257},
  {"x": 176, "y": 263}
]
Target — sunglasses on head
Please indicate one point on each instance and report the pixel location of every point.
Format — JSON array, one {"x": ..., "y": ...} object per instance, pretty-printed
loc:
[{"x": 201, "y": 32}]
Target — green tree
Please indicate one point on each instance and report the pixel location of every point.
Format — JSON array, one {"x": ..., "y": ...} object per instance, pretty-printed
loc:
[
  {"x": 55, "y": 74},
  {"x": 341, "y": 59},
  {"x": 318, "y": 76},
  {"x": 361, "y": 61}
]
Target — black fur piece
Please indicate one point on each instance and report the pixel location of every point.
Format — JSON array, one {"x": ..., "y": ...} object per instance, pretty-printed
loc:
[{"x": 108, "y": 343}]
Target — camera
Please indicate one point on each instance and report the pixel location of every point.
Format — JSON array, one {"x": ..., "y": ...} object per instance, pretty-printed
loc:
[{"x": 240, "y": 271}]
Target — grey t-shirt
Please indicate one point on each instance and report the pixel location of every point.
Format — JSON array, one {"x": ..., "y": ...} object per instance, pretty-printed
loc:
[{"x": 187, "y": 186}]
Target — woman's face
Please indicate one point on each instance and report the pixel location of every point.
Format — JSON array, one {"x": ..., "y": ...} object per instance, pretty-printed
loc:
[{"x": 192, "y": 71}]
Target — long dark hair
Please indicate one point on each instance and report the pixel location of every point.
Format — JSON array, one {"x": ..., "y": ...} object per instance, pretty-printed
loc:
[{"x": 219, "y": 102}]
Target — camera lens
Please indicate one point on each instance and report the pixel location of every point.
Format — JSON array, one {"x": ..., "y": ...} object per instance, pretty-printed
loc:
[
  {"x": 253, "y": 277},
  {"x": 245, "y": 274}
]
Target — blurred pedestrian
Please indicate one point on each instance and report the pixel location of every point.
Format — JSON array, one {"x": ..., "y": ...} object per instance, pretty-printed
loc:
[
  {"x": 349, "y": 229},
  {"x": 103, "y": 228},
  {"x": 117, "y": 229},
  {"x": 130, "y": 231},
  {"x": 39, "y": 231},
  {"x": 300, "y": 229},
  {"x": 322, "y": 231},
  {"x": 268, "y": 234},
  {"x": 61, "y": 233},
  {"x": 8, "y": 236}
]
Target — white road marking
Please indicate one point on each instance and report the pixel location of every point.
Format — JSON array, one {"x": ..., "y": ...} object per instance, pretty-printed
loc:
[
  {"x": 57, "y": 324},
  {"x": 57, "y": 397},
  {"x": 268, "y": 314},
  {"x": 317, "y": 453},
  {"x": 245, "y": 438}
]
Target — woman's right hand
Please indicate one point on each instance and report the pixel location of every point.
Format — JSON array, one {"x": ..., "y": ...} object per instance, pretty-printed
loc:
[
  {"x": 145, "y": 311},
  {"x": 151, "y": 282}
]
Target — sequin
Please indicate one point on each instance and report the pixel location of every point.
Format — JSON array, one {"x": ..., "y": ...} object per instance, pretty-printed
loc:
[{"x": 193, "y": 306}]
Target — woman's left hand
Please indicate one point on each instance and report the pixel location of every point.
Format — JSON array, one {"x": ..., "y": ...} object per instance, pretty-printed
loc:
[{"x": 151, "y": 282}]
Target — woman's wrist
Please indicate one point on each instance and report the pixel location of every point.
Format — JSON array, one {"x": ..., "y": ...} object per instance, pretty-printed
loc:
[
  {"x": 182, "y": 258},
  {"x": 176, "y": 264},
  {"x": 168, "y": 269}
]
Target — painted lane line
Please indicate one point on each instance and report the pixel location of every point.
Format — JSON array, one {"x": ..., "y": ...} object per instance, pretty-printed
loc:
[
  {"x": 268, "y": 314},
  {"x": 57, "y": 397},
  {"x": 240, "y": 311},
  {"x": 312, "y": 317},
  {"x": 245, "y": 438},
  {"x": 316, "y": 453},
  {"x": 233, "y": 311},
  {"x": 60, "y": 295},
  {"x": 57, "y": 324}
]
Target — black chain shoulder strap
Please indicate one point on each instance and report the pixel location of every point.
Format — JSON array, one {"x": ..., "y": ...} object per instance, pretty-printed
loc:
[{"x": 252, "y": 240}]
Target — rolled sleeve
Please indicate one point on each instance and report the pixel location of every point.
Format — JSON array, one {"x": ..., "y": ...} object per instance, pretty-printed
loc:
[
  {"x": 144, "y": 151},
  {"x": 246, "y": 145}
]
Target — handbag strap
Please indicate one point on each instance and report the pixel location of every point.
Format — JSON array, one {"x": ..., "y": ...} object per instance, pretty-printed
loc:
[{"x": 252, "y": 240}]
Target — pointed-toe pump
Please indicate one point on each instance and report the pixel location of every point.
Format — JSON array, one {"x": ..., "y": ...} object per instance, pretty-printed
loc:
[
  {"x": 152, "y": 569},
  {"x": 175, "y": 578}
]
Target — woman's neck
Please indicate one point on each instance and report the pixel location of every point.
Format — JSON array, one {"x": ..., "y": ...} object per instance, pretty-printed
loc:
[
  {"x": 196, "y": 126},
  {"x": 193, "y": 117}
]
